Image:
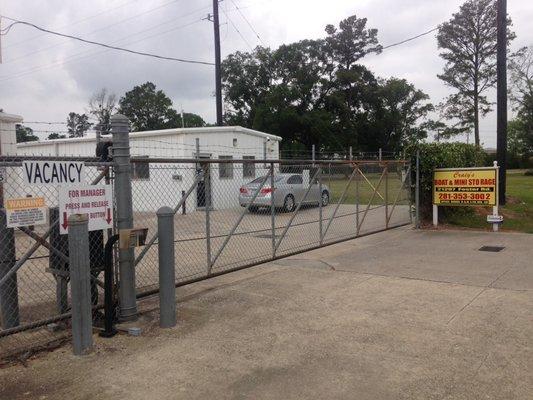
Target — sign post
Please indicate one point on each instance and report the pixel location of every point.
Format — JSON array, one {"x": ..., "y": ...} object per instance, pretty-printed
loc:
[
  {"x": 467, "y": 187},
  {"x": 94, "y": 200}
]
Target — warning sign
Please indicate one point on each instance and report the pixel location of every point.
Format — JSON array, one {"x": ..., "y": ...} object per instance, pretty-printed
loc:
[
  {"x": 26, "y": 211},
  {"x": 95, "y": 201},
  {"x": 465, "y": 187}
]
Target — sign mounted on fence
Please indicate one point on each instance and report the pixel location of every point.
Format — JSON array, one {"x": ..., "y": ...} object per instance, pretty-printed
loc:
[
  {"x": 26, "y": 211},
  {"x": 94, "y": 200},
  {"x": 465, "y": 187},
  {"x": 53, "y": 172}
]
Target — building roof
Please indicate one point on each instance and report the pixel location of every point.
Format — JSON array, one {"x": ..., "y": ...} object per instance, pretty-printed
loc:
[
  {"x": 166, "y": 132},
  {"x": 5, "y": 117}
]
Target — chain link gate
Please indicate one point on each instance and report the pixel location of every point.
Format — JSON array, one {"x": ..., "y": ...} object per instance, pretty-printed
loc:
[
  {"x": 34, "y": 271},
  {"x": 215, "y": 233}
]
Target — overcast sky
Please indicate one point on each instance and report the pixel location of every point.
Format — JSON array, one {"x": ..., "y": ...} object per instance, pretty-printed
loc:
[{"x": 44, "y": 77}]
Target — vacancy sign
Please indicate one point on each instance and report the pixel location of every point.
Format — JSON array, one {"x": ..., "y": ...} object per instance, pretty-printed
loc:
[
  {"x": 94, "y": 200},
  {"x": 26, "y": 211},
  {"x": 53, "y": 172}
]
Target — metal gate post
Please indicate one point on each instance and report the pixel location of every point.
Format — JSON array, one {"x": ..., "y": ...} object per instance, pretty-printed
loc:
[
  {"x": 167, "y": 270},
  {"x": 357, "y": 198},
  {"x": 386, "y": 195},
  {"x": 417, "y": 191},
  {"x": 207, "y": 183},
  {"x": 272, "y": 210},
  {"x": 9, "y": 303},
  {"x": 120, "y": 128},
  {"x": 80, "y": 283},
  {"x": 320, "y": 238}
]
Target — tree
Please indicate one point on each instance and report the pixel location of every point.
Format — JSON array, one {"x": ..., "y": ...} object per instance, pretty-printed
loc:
[
  {"x": 468, "y": 44},
  {"x": 521, "y": 67},
  {"x": 147, "y": 108},
  {"x": 304, "y": 91},
  {"x": 55, "y": 135},
  {"x": 102, "y": 105},
  {"x": 190, "y": 120},
  {"x": 315, "y": 92},
  {"x": 25, "y": 134},
  {"x": 77, "y": 124}
]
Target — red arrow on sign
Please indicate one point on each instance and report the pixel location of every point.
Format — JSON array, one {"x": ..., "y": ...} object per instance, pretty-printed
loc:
[
  {"x": 65, "y": 221},
  {"x": 108, "y": 219}
]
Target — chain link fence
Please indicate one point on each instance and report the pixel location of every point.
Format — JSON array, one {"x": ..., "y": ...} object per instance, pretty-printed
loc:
[{"x": 229, "y": 214}]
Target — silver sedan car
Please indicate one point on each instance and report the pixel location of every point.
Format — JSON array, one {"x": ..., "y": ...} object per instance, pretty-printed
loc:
[{"x": 289, "y": 190}]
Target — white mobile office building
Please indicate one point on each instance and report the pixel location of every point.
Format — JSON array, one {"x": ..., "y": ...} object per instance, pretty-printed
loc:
[{"x": 161, "y": 184}]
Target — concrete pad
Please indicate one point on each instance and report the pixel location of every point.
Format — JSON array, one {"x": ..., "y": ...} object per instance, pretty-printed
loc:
[
  {"x": 440, "y": 256},
  {"x": 314, "y": 327}
]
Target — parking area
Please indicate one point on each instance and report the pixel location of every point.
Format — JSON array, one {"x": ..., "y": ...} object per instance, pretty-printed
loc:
[{"x": 402, "y": 314}]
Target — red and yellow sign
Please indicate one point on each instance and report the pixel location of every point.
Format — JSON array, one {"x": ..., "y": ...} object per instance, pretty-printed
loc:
[{"x": 465, "y": 187}]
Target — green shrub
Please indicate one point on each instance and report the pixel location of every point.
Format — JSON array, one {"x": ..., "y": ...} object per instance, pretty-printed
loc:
[{"x": 442, "y": 155}]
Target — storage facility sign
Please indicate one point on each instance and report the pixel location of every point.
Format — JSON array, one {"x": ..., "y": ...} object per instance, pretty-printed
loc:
[
  {"x": 465, "y": 187},
  {"x": 94, "y": 200},
  {"x": 26, "y": 211},
  {"x": 53, "y": 172}
]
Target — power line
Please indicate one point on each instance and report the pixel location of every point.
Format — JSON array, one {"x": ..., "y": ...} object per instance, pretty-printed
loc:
[
  {"x": 17, "y": 22},
  {"x": 94, "y": 31},
  {"x": 85, "y": 54},
  {"x": 248, "y": 22},
  {"x": 409, "y": 39},
  {"x": 237, "y": 29},
  {"x": 75, "y": 22}
]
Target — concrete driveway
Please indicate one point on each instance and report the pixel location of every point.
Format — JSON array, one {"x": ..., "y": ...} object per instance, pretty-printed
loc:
[{"x": 398, "y": 315}]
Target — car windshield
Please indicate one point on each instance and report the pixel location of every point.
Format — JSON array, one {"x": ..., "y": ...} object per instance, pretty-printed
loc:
[{"x": 260, "y": 179}]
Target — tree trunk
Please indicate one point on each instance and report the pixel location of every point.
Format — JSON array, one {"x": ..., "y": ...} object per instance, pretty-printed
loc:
[{"x": 476, "y": 115}]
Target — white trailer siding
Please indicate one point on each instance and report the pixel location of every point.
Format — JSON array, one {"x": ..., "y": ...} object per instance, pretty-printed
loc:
[{"x": 167, "y": 180}]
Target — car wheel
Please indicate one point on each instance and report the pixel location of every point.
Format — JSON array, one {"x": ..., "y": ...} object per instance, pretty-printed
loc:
[
  {"x": 253, "y": 209},
  {"x": 288, "y": 204},
  {"x": 325, "y": 198}
]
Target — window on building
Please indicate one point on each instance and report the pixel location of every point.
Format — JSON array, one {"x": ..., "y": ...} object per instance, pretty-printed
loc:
[
  {"x": 248, "y": 168},
  {"x": 225, "y": 170},
  {"x": 140, "y": 170}
]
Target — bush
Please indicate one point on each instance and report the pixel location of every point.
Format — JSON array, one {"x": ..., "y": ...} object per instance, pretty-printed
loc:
[
  {"x": 441, "y": 155},
  {"x": 529, "y": 172}
]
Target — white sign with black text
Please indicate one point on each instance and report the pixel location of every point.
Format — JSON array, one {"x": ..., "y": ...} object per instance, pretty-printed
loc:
[
  {"x": 94, "y": 200},
  {"x": 53, "y": 172}
]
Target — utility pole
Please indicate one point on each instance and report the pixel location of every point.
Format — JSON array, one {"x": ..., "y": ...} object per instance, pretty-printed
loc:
[
  {"x": 218, "y": 78},
  {"x": 501, "y": 65}
]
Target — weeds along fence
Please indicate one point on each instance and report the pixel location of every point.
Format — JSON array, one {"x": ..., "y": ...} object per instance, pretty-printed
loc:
[{"x": 228, "y": 214}]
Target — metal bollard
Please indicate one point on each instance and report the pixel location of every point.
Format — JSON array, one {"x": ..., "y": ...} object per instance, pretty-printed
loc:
[
  {"x": 167, "y": 272},
  {"x": 120, "y": 128},
  {"x": 80, "y": 283},
  {"x": 9, "y": 304}
]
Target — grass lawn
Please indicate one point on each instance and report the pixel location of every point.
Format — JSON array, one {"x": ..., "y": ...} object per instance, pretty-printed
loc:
[
  {"x": 517, "y": 213},
  {"x": 336, "y": 187}
]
